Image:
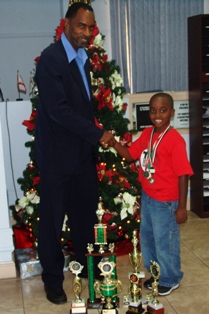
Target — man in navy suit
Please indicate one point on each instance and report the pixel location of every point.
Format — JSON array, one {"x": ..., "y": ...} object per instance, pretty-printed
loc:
[{"x": 66, "y": 144}]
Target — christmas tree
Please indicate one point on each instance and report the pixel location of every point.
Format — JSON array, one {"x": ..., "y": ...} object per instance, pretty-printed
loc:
[{"x": 118, "y": 186}]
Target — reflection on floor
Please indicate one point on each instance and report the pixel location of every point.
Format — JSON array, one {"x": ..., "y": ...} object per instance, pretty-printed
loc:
[{"x": 26, "y": 296}]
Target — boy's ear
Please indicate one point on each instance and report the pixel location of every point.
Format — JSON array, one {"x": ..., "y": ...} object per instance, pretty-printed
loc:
[{"x": 173, "y": 113}]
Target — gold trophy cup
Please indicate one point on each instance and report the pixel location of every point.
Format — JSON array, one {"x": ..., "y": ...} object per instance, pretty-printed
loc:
[
  {"x": 108, "y": 289},
  {"x": 135, "y": 257},
  {"x": 78, "y": 305}
]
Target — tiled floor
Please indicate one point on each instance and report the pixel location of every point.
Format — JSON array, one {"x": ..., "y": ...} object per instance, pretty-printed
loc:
[{"x": 27, "y": 296}]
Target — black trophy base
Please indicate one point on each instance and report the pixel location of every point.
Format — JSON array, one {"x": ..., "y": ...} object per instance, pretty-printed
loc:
[
  {"x": 98, "y": 304},
  {"x": 138, "y": 309}
]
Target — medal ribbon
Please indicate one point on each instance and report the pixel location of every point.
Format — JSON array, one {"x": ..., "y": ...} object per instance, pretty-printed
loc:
[{"x": 152, "y": 150}]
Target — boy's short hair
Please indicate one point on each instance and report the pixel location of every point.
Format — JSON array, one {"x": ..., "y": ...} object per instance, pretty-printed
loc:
[{"x": 168, "y": 97}]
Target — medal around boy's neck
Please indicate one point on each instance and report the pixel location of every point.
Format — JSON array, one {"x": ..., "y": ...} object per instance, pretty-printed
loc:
[{"x": 159, "y": 130}]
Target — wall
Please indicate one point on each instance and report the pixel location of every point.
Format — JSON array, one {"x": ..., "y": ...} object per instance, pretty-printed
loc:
[{"x": 26, "y": 28}]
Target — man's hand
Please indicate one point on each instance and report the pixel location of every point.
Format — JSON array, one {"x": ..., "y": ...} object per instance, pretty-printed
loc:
[{"x": 107, "y": 139}]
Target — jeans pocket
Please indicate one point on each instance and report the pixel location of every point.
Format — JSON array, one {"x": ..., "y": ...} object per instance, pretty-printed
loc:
[
  {"x": 172, "y": 205},
  {"x": 168, "y": 203}
]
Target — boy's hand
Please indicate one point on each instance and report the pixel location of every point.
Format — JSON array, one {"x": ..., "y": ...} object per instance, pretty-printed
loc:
[{"x": 181, "y": 215}]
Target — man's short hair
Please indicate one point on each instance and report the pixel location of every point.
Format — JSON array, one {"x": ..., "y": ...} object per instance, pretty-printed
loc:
[{"x": 73, "y": 9}]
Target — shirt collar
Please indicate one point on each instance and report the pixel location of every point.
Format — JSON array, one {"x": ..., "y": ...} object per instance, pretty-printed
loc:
[{"x": 70, "y": 51}]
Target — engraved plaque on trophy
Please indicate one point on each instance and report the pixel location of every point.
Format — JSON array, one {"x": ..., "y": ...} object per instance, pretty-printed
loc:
[
  {"x": 78, "y": 305},
  {"x": 154, "y": 306},
  {"x": 108, "y": 289}
]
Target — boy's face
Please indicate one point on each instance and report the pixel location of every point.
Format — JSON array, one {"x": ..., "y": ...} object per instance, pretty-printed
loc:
[{"x": 160, "y": 113}]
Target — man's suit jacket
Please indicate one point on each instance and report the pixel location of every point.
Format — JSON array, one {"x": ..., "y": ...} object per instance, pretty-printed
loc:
[{"x": 66, "y": 136}]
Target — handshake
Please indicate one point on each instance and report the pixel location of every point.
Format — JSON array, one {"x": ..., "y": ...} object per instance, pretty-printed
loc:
[{"x": 108, "y": 139}]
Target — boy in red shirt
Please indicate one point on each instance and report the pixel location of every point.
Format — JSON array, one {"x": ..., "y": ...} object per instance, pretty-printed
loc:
[{"x": 163, "y": 174}]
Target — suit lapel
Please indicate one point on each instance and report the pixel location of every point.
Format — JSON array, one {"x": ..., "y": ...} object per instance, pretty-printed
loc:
[
  {"x": 87, "y": 71},
  {"x": 74, "y": 70}
]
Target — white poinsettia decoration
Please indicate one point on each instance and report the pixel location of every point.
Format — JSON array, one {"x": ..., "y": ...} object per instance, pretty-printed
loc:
[
  {"x": 98, "y": 40},
  {"x": 107, "y": 150},
  {"x": 29, "y": 210},
  {"x": 127, "y": 201},
  {"x": 116, "y": 79},
  {"x": 118, "y": 102},
  {"x": 29, "y": 198}
]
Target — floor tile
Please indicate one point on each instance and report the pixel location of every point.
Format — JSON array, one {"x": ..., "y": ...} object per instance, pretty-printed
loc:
[
  {"x": 199, "y": 246},
  {"x": 10, "y": 294},
  {"x": 190, "y": 300}
]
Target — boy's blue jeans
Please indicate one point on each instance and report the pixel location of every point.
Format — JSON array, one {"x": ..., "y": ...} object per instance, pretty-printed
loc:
[{"x": 160, "y": 238}]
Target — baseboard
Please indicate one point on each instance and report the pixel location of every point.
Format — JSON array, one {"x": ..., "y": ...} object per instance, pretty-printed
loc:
[{"x": 7, "y": 270}]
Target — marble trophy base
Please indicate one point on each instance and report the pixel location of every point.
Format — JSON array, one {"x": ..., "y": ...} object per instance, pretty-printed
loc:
[
  {"x": 109, "y": 311},
  {"x": 135, "y": 308},
  {"x": 155, "y": 309},
  {"x": 78, "y": 307}
]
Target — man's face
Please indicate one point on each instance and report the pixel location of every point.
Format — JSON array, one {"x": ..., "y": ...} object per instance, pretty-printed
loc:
[{"x": 79, "y": 29}]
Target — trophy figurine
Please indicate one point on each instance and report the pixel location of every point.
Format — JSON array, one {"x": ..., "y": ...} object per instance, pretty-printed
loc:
[
  {"x": 154, "y": 306},
  {"x": 100, "y": 229},
  {"x": 78, "y": 305},
  {"x": 108, "y": 289}
]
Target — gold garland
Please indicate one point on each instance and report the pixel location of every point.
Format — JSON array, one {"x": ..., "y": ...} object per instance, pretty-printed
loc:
[{"x": 74, "y": 1}]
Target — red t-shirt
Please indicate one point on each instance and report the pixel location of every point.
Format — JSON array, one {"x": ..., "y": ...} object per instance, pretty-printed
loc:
[{"x": 170, "y": 162}]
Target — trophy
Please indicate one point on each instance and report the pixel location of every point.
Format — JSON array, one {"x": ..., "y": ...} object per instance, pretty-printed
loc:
[
  {"x": 108, "y": 289},
  {"x": 78, "y": 305},
  {"x": 135, "y": 290},
  {"x": 100, "y": 235},
  {"x": 154, "y": 306}
]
